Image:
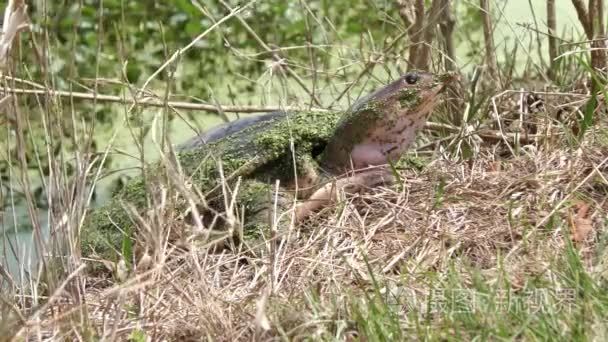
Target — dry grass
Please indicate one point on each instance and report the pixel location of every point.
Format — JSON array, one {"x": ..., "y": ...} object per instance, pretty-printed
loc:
[{"x": 508, "y": 219}]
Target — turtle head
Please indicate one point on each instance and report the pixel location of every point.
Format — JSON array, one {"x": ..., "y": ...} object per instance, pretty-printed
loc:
[
  {"x": 413, "y": 91},
  {"x": 381, "y": 126}
]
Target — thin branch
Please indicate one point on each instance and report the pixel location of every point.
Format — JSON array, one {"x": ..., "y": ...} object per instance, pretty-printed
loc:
[
  {"x": 539, "y": 41},
  {"x": 489, "y": 39},
  {"x": 423, "y": 57},
  {"x": 433, "y": 126},
  {"x": 265, "y": 46},
  {"x": 552, "y": 26},
  {"x": 601, "y": 30},
  {"x": 406, "y": 12},
  {"x": 415, "y": 32},
  {"x": 598, "y": 57},
  {"x": 446, "y": 25},
  {"x": 15, "y": 21},
  {"x": 369, "y": 65},
  {"x": 153, "y": 102},
  {"x": 583, "y": 17},
  {"x": 587, "y": 18},
  {"x": 233, "y": 12},
  {"x": 590, "y": 18}
]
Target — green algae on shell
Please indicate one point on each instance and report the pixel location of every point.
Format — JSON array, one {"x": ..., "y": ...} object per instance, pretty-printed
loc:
[{"x": 265, "y": 146}]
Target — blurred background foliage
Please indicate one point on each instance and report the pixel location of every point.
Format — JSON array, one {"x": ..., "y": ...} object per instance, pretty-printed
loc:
[{"x": 136, "y": 37}]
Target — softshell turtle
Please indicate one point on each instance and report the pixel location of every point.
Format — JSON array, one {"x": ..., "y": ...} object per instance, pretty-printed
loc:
[{"x": 298, "y": 149}]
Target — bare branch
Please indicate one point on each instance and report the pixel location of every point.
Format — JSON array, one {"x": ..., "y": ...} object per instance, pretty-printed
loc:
[
  {"x": 415, "y": 33},
  {"x": 183, "y": 50},
  {"x": 588, "y": 18},
  {"x": 551, "y": 26},
  {"x": 599, "y": 9},
  {"x": 406, "y": 12},
  {"x": 598, "y": 52},
  {"x": 446, "y": 25},
  {"x": 277, "y": 59},
  {"x": 583, "y": 17},
  {"x": 153, "y": 102},
  {"x": 421, "y": 27},
  {"x": 592, "y": 7},
  {"x": 423, "y": 57},
  {"x": 15, "y": 20},
  {"x": 489, "y": 39}
]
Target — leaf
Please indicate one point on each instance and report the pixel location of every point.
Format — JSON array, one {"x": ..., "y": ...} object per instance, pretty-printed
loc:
[
  {"x": 580, "y": 225},
  {"x": 261, "y": 320},
  {"x": 194, "y": 28},
  {"x": 587, "y": 120},
  {"x": 439, "y": 193},
  {"x": 137, "y": 335},
  {"x": 396, "y": 175},
  {"x": 186, "y": 6},
  {"x": 122, "y": 270}
]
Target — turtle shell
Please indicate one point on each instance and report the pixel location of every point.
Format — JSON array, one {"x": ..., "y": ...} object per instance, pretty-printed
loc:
[
  {"x": 262, "y": 148},
  {"x": 228, "y": 128}
]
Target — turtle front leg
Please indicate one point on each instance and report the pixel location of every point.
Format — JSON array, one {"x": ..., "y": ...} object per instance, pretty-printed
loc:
[
  {"x": 267, "y": 202},
  {"x": 328, "y": 193}
]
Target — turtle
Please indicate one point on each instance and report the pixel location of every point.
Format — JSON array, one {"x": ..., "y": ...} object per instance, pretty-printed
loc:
[{"x": 308, "y": 154}]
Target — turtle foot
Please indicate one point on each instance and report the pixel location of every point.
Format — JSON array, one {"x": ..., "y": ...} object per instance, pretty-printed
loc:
[{"x": 353, "y": 183}]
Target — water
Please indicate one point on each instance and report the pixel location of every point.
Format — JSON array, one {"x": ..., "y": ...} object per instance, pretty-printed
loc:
[
  {"x": 507, "y": 32},
  {"x": 20, "y": 239},
  {"x": 21, "y": 235}
]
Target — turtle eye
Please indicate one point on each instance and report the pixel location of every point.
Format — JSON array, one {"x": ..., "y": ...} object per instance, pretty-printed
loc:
[{"x": 411, "y": 78}]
